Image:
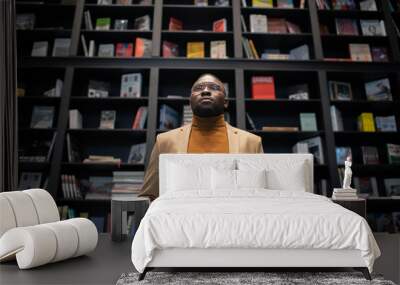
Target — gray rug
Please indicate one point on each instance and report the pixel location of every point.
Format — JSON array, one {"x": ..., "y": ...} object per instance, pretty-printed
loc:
[{"x": 242, "y": 278}]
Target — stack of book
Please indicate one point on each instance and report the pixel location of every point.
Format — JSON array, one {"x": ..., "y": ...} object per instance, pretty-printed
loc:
[
  {"x": 102, "y": 159},
  {"x": 127, "y": 183},
  {"x": 344, "y": 194}
]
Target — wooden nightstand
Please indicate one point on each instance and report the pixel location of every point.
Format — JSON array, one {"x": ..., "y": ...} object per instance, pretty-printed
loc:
[{"x": 358, "y": 206}]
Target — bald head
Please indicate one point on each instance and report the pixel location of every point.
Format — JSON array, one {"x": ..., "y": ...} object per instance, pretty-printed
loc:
[{"x": 208, "y": 96}]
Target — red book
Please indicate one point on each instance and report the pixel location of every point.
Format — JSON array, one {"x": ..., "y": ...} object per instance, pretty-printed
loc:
[
  {"x": 175, "y": 24},
  {"x": 124, "y": 50},
  {"x": 136, "y": 121},
  {"x": 219, "y": 26},
  {"x": 263, "y": 87},
  {"x": 142, "y": 47},
  {"x": 169, "y": 49}
]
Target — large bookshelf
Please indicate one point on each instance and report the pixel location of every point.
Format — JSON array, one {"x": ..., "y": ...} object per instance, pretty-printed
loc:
[{"x": 164, "y": 76}]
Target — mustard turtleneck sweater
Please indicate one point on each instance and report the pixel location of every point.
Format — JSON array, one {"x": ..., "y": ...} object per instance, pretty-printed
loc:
[{"x": 208, "y": 134}]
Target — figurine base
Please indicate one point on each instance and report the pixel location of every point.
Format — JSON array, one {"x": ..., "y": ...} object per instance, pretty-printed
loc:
[{"x": 343, "y": 189}]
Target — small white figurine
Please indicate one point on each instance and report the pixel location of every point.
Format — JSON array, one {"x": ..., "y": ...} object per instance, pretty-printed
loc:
[{"x": 347, "y": 173}]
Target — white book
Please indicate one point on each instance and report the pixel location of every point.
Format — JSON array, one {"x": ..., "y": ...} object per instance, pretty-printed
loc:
[
  {"x": 244, "y": 27},
  {"x": 106, "y": 50},
  {"x": 40, "y": 48},
  {"x": 218, "y": 49},
  {"x": 85, "y": 49},
  {"x": 131, "y": 85},
  {"x": 88, "y": 21},
  {"x": 368, "y": 5},
  {"x": 337, "y": 121},
  {"x": 258, "y": 23},
  {"x": 244, "y": 4},
  {"x": 61, "y": 47},
  {"x": 373, "y": 27},
  {"x": 92, "y": 48},
  {"x": 75, "y": 119}
]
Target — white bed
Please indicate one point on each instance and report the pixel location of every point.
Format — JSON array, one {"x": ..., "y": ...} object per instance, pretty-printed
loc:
[{"x": 214, "y": 211}]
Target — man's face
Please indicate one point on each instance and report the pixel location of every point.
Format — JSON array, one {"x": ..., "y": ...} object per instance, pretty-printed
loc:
[{"x": 208, "y": 97}]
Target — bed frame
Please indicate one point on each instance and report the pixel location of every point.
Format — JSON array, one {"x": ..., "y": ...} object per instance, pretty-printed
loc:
[
  {"x": 240, "y": 259},
  {"x": 259, "y": 259}
]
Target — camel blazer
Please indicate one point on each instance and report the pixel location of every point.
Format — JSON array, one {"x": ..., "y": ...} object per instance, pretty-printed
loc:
[{"x": 176, "y": 141}]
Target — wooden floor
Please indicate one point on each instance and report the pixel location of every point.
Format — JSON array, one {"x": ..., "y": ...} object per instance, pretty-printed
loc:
[{"x": 103, "y": 266}]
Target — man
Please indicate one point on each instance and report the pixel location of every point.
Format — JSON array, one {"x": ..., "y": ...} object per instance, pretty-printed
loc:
[{"x": 208, "y": 132}]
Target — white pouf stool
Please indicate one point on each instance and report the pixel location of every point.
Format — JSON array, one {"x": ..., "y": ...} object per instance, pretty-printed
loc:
[{"x": 31, "y": 230}]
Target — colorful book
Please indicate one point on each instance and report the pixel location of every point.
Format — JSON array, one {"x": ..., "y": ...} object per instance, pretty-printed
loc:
[
  {"x": 263, "y": 3},
  {"x": 106, "y": 50},
  {"x": 285, "y": 4},
  {"x": 195, "y": 50},
  {"x": 308, "y": 122},
  {"x": 393, "y": 151},
  {"x": 378, "y": 90},
  {"x": 366, "y": 122},
  {"x": 386, "y": 123},
  {"x": 339, "y": 90},
  {"x": 42, "y": 117},
  {"x": 346, "y": 27},
  {"x": 341, "y": 154},
  {"x": 218, "y": 49},
  {"x": 131, "y": 85},
  {"x": 373, "y": 27},
  {"x": 170, "y": 49},
  {"x": 263, "y": 87},
  {"x": 107, "y": 119},
  {"x": 175, "y": 24},
  {"x": 258, "y": 23},
  {"x": 124, "y": 50},
  {"x": 220, "y": 25},
  {"x": 143, "y": 47},
  {"x": 380, "y": 54},
  {"x": 370, "y": 154},
  {"x": 142, "y": 23},
  {"x": 103, "y": 24},
  {"x": 360, "y": 52},
  {"x": 169, "y": 118}
]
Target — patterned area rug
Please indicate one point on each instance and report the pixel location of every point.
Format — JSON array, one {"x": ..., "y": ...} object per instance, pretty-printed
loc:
[{"x": 242, "y": 278}]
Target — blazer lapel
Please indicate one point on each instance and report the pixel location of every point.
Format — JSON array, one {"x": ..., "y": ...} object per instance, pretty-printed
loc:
[
  {"x": 233, "y": 139},
  {"x": 184, "y": 134}
]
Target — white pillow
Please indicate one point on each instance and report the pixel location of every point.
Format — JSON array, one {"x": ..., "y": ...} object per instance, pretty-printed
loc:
[
  {"x": 251, "y": 178},
  {"x": 284, "y": 174},
  {"x": 183, "y": 178},
  {"x": 191, "y": 174},
  {"x": 225, "y": 179}
]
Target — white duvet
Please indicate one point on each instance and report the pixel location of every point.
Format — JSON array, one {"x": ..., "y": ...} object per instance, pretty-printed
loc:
[{"x": 250, "y": 219}]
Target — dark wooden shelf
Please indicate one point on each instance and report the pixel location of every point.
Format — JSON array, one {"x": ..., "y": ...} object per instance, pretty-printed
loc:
[
  {"x": 275, "y": 10},
  {"x": 163, "y": 76},
  {"x": 57, "y": 32},
  {"x": 297, "y": 135},
  {"x": 100, "y": 167},
  {"x": 37, "y": 130},
  {"x": 111, "y": 99},
  {"x": 38, "y": 99},
  {"x": 84, "y": 202},
  {"x": 119, "y": 6},
  {"x": 351, "y": 14},
  {"x": 33, "y": 166},
  {"x": 385, "y": 170},
  {"x": 209, "y": 7},
  {"x": 29, "y": 4},
  {"x": 358, "y": 137},
  {"x": 276, "y": 35},
  {"x": 117, "y": 32},
  {"x": 383, "y": 204},
  {"x": 107, "y": 132}
]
